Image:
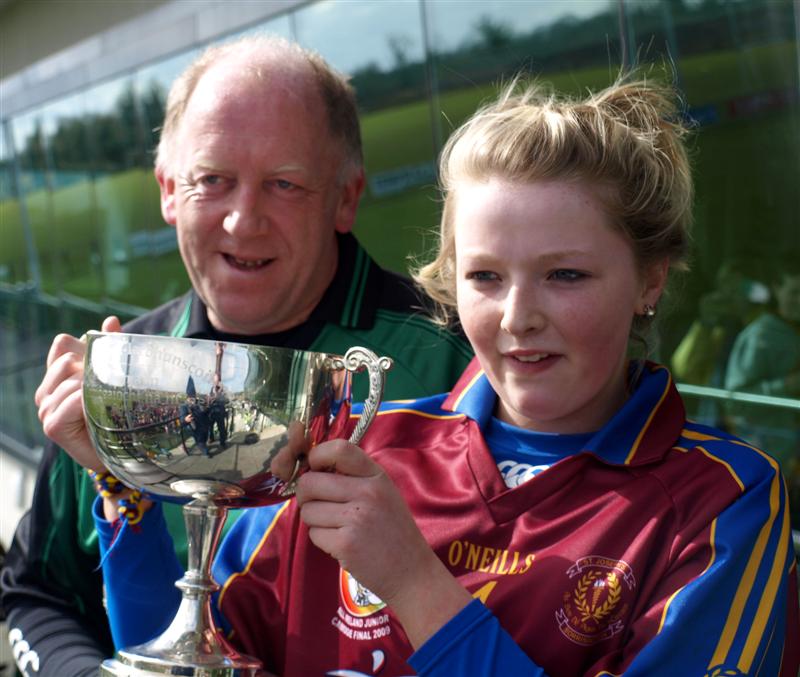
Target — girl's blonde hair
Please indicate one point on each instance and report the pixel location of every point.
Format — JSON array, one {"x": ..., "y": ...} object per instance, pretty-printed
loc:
[{"x": 628, "y": 137}]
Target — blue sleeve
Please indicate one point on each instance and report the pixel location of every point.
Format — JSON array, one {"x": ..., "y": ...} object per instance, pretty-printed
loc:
[
  {"x": 472, "y": 644},
  {"x": 237, "y": 548},
  {"x": 745, "y": 601},
  {"x": 139, "y": 574}
]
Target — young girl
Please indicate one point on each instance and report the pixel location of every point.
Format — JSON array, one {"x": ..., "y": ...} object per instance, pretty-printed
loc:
[{"x": 555, "y": 513}]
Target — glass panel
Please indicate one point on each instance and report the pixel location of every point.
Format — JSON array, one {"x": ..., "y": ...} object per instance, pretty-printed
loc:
[
  {"x": 736, "y": 323},
  {"x": 117, "y": 139},
  {"x": 571, "y": 44},
  {"x": 280, "y": 25},
  {"x": 381, "y": 46},
  {"x": 14, "y": 252},
  {"x": 18, "y": 355},
  {"x": 71, "y": 241},
  {"x": 34, "y": 186},
  {"x": 474, "y": 47},
  {"x": 153, "y": 265},
  {"x": 151, "y": 85}
]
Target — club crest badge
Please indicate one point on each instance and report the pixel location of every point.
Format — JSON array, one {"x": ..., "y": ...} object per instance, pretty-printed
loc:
[
  {"x": 358, "y": 616},
  {"x": 357, "y": 600},
  {"x": 595, "y": 607}
]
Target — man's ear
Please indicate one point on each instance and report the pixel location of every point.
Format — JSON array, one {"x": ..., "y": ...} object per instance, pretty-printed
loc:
[
  {"x": 349, "y": 197},
  {"x": 654, "y": 280},
  {"x": 166, "y": 184}
]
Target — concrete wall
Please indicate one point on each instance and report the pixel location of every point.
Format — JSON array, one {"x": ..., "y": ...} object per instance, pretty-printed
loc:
[
  {"x": 50, "y": 48},
  {"x": 31, "y": 30}
]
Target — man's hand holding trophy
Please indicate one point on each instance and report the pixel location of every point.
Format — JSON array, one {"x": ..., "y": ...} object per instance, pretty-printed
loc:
[{"x": 219, "y": 425}]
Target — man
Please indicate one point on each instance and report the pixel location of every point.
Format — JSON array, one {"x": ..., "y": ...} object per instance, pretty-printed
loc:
[
  {"x": 217, "y": 414},
  {"x": 196, "y": 420},
  {"x": 260, "y": 171}
]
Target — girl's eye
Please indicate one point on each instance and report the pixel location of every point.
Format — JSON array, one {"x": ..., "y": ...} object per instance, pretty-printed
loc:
[
  {"x": 481, "y": 276},
  {"x": 567, "y": 275}
]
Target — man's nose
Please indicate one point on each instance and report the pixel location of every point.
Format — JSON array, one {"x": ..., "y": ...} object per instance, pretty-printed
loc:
[
  {"x": 521, "y": 312},
  {"x": 246, "y": 212}
]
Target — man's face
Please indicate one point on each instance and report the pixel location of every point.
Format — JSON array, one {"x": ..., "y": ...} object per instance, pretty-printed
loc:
[{"x": 255, "y": 188}]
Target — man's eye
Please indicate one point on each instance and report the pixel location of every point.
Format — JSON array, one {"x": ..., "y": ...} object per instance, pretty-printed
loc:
[
  {"x": 283, "y": 184},
  {"x": 211, "y": 180},
  {"x": 567, "y": 275}
]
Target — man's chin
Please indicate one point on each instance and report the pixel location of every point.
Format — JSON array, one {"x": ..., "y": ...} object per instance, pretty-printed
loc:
[
  {"x": 253, "y": 320},
  {"x": 246, "y": 323}
]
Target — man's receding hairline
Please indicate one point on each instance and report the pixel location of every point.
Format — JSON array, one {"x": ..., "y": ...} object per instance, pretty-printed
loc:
[
  {"x": 303, "y": 75},
  {"x": 263, "y": 58}
]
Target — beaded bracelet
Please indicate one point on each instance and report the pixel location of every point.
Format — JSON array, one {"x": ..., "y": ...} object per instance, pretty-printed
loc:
[
  {"x": 106, "y": 484},
  {"x": 129, "y": 508}
]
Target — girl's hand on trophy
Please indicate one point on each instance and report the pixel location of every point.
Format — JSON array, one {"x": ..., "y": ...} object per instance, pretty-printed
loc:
[
  {"x": 60, "y": 399},
  {"x": 284, "y": 463},
  {"x": 356, "y": 514}
]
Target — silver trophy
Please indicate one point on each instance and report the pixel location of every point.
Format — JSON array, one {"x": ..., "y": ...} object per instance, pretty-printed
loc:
[{"x": 202, "y": 421}]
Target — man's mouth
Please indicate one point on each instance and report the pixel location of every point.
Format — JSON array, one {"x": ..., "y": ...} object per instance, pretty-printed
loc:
[{"x": 246, "y": 264}]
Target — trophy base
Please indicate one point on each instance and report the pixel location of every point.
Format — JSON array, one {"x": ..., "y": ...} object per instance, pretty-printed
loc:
[{"x": 126, "y": 664}]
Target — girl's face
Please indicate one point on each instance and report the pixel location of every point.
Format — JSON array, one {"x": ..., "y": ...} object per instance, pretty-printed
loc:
[{"x": 547, "y": 291}]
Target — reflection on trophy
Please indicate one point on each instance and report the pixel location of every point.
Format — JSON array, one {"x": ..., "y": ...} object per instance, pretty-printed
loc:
[{"x": 202, "y": 421}]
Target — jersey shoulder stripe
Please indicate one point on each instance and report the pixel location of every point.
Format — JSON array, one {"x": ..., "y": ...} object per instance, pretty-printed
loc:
[
  {"x": 253, "y": 530},
  {"x": 711, "y": 559},
  {"x": 763, "y": 573},
  {"x": 757, "y": 593},
  {"x": 425, "y": 407}
]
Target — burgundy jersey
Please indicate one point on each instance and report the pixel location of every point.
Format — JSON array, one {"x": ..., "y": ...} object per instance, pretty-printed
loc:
[{"x": 662, "y": 547}]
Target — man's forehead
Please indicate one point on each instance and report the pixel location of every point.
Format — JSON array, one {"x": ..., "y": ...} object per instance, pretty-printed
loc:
[
  {"x": 220, "y": 88},
  {"x": 263, "y": 77},
  {"x": 254, "y": 104}
]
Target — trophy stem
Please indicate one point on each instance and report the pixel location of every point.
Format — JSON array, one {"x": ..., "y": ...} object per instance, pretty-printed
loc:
[
  {"x": 192, "y": 642},
  {"x": 204, "y": 521}
]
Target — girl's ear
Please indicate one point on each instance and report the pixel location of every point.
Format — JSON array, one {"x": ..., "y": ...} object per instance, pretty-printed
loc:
[{"x": 654, "y": 279}]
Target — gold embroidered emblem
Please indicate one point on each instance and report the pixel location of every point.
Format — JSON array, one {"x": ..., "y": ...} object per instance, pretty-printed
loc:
[
  {"x": 594, "y": 610},
  {"x": 596, "y": 582},
  {"x": 722, "y": 671}
]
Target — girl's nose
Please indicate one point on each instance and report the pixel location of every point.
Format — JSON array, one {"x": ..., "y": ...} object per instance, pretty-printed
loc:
[{"x": 521, "y": 313}]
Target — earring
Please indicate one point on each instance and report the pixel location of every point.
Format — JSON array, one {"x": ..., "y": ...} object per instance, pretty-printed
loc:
[{"x": 649, "y": 311}]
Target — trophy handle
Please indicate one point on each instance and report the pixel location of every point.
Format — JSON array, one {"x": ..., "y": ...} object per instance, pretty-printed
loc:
[{"x": 355, "y": 359}]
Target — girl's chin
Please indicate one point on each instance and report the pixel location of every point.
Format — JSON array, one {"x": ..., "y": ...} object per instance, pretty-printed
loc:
[{"x": 546, "y": 417}]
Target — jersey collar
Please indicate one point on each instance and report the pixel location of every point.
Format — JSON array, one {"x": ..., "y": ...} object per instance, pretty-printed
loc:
[{"x": 641, "y": 432}]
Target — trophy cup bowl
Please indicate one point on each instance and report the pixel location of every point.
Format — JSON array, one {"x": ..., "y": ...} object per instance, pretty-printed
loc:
[{"x": 200, "y": 422}]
